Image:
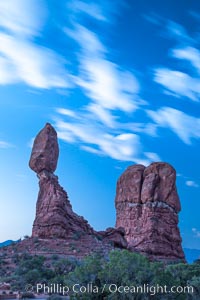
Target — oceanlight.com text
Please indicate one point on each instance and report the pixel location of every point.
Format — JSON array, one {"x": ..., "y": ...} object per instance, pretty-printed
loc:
[{"x": 110, "y": 288}]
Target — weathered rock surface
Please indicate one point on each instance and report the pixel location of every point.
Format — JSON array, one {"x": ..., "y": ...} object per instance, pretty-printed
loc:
[
  {"x": 54, "y": 215},
  {"x": 115, "y": 235},
  {"x": 147, "y": 206},
  {"x": 45, "y": 150}
]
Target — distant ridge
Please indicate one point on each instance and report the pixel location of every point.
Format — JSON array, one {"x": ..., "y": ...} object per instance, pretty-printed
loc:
[
  {"x": 8, "y": 242},
  {"x": 191, "y": 254}
]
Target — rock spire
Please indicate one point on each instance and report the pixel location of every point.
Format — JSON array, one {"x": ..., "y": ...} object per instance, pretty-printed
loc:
[
  {"x": 54, "y": 214},
  {"x": 147, "y": 206}
]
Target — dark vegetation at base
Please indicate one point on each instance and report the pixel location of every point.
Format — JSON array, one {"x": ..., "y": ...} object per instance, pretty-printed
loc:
[{"x": 122, "y": 268}]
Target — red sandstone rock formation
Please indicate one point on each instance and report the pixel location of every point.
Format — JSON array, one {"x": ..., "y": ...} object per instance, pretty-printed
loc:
[
  {"x": 147, "y": 206},
  {"x": 54, "y": 215},
  {"x": 115, "y": 235},
  {"x": 45, "y": 151}
]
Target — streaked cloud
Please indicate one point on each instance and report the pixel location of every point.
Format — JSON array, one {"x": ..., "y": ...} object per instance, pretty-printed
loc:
[
  {"x": 121, "y": 147},
  {"x": 103, "y": 115},
  {"x": 185, "y": 126},
  {"x": 153, "y": 18},
  {"x": 196, "y": 232},
  {"x": 22, "y": 17},
  {"x": 22, "y": 61},
  {"x": 92, "y": 9},
  {"x": 184, "y": 79},
  {"x": 105, "y": 84},
  {"x": 7, "y": 71},
  {"x": 111, "y": 91},
  {"x": 180, "y": 84},
  {"x": 5, "y": 145},
  {"x": 100, "y": 10},
  {"x": 190, "y": 54},
  {"x": 90, "y": 134},
  {"x": 191, "y": 183},
  {"x": 102, "y": 80},
  {"x": 124, "y": 147},
  {"x": 153, "y": 157},
  {"x": 90, "y": 44},
  {"x": 177, "y": 31}
]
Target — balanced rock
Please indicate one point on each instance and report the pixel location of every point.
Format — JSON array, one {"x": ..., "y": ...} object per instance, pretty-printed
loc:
[
  {"x": 147, "y": 206},
  {"x": 45, "y": 150},
  {"x": 54, "y": 215}
]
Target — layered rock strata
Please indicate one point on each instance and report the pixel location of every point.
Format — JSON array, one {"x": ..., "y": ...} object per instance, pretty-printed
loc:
[
  {"x": 147, "y": 206},
  {"x": 54, "y": 215}
]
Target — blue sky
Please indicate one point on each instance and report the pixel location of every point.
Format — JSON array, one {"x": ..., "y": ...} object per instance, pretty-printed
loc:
[{"x": 120, "y": 82}]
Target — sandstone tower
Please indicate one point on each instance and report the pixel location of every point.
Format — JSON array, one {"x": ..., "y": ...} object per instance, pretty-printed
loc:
[{"x": 147, "y": 206}]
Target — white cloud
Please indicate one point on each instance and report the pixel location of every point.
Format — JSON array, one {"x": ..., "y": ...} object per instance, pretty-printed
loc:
[
  {"x": 184, "y": 80},
  {"x": 88, "y": 40},
  {"x": 91, "y": 150},
  {"x": 5, "y": 145},
  {"x": 111, "y": 90},
  {"x": 191, "y": 183},
  {"x": 30, "y": 142},
  {"x": 100, "y": 138},
  {"x": 100, "y": 10},
  {"x": 178, "y": 31},
  {"x": 66, "y": 112},
  {"x": 7, "y": 71},
  {"x": 104, "y": 84},
  {"x": 146, "y": 128},
  {"x": 102, "y": 114},
  {"x": 153, "y": 157},
  {"x": 196, "y": 232},
  {"x": 36, "y": 66},
  {"x": 122, "y": 146},
  {"x": 21, "y": 60},
  {"x": 181, "y": 84},
  {"x": 190, "y": 54},
  {"x": 91, "y": 9},
  {"x": 185, "y": 126},
  {"x": 103, "y": 81},
  {"x": 22, "y": 17}
]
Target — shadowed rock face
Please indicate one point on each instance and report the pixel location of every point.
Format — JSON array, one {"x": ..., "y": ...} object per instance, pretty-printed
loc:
[
  {"x": 54, "y": 215},
  {"x": 147, "y": 206}
]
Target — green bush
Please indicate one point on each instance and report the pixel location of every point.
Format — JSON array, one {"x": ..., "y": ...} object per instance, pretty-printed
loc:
[{"x": 120, "y": 267}]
